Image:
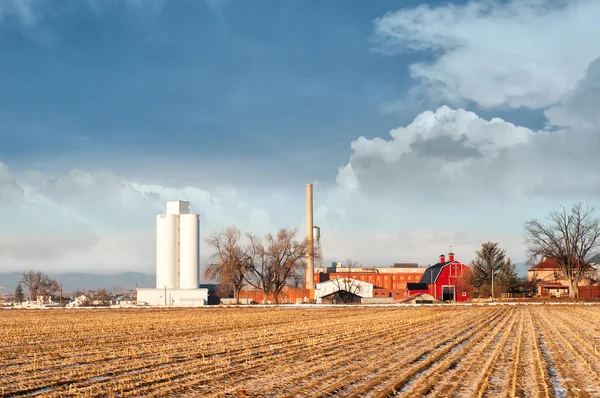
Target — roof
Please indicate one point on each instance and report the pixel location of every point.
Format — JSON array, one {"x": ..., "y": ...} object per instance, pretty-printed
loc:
[
  {"x": 549, "y": 264},
  {"x": 417, "y": 286},
  {"x": 405, "y": 265},
  {"x": 432, "y": 273},
  {"x": 345, "y": 281},
  {"x": 414, "y": 296},
  {"x": 554, "y": 286}
]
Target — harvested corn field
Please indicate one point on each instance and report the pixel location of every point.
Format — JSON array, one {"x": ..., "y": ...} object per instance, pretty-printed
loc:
[{"x": 280, "y": 351}]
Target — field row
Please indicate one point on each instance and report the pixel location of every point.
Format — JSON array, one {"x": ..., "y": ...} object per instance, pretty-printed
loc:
[{"x": 351, "y": 351}]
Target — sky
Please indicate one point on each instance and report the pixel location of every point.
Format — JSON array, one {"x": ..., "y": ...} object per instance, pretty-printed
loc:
[{"x": 421, "y": 124}]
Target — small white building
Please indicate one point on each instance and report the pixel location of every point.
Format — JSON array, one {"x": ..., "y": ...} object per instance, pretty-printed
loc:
[
  {"x": 172, "y": 297},
  {"x": 177, "y": 260},
  {"x": 349, "y": 285}
]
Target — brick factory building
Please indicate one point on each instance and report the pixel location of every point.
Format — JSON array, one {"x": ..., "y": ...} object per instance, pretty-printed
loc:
[{"x": 445, "y": 281}]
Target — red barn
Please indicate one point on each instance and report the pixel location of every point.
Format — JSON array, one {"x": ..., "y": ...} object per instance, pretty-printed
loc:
[{"x": 447, "y": 280}]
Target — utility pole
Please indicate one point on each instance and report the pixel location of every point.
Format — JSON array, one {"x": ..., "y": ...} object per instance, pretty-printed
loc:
[
  {"x": 493, "y": 273},
  {"x": 61, "y": 301},
  {"x": 165, "y": 295}
]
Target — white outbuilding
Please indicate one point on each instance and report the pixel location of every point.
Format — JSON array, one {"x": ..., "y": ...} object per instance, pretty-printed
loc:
[{"x": 329, "y": 291}]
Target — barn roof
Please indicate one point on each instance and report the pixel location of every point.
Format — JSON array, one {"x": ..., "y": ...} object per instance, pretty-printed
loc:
[{"x": 431, "y": 274}]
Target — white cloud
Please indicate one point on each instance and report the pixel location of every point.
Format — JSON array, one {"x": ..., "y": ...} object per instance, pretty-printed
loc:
[
  {"x": 96, "y": 221},
  {"x": 451, "y": 148},
  {"x": 416, "y": 245},
  {"x": 525, "y": 53},
  {"x": 579, "y": 108},
  {"x": 452, "y": 177}
]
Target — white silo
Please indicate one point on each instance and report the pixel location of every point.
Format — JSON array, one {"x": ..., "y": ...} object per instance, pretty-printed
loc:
[
  {"x": 189, "y": 251},
  {"x": 170, "y": 251},
  {"x": 177, "y": 260}
]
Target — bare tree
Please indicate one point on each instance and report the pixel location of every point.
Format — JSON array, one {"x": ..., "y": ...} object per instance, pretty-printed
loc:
[
  {"x": 570, "y": 238},
  {"x": 259, "y": 271},
  {"x": 101, "y": 297},
  {"x": 347, "y": 286},
  {"x": 48, "y": 288},
  {"x": 231, "y": 261},
  {"x": 39, "y": 284},
  {"x": 277, "y": 263}
]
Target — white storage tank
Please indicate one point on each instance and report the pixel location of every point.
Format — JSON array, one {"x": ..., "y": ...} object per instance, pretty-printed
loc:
[
  {"x": 170, "y": 252},
  {"x": 189, "y": 251}
]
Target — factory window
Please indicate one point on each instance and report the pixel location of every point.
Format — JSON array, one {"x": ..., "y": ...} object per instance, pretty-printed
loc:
[
  {"x": 397, "y": 293},
  {"x": 377, "y": 294}
]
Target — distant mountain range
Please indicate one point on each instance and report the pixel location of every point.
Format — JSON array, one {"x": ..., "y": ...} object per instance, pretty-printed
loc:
[{"x": 72, "y": 281}]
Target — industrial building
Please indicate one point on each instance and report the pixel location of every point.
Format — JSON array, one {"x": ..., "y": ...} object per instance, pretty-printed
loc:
[
  {"x": 445, "y": 281},
  {"x": 177, "y": 260}
]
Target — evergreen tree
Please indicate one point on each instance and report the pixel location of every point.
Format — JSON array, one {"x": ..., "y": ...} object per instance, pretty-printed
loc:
[
  {"x": 489, "y": 261},
  {"x": 19, "y": 296},
  {"x": 507, "y": 276}
]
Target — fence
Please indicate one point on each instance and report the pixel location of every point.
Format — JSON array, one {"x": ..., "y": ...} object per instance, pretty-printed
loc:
[
  {"x": 288, "y": 296},
  {"x": 588, "y": 292}
]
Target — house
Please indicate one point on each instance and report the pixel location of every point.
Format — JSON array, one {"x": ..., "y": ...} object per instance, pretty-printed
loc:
[
  {"x": 551, "y": 281},
  {"x": 447, "y": 280}
]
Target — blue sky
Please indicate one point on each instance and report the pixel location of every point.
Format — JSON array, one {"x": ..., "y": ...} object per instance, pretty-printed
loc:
[
  {"x": 108, "y": 108},
  {"x": 250, "y": 79}
]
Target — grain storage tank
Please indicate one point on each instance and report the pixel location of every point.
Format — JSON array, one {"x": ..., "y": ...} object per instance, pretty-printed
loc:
[
  {"x": 170, "y": 252},
  {"x": 189, "y": 251}
]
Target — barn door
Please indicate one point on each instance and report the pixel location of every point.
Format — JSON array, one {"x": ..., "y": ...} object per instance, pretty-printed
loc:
[{"x": 448, "y": 293}]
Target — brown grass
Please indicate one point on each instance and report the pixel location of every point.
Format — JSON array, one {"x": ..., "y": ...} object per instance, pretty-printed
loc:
[{"x": 541, "y": 351}]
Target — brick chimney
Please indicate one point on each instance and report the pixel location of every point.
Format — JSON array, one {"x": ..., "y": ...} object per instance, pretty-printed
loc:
[
  {"x": 442, "y": 258},
  {"x": 450, "y": 256}
]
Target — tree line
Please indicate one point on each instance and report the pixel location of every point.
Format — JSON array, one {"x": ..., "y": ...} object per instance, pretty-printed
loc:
[
  {"x": 268, "y": 263},
  {"x": 42, "y": 287}
]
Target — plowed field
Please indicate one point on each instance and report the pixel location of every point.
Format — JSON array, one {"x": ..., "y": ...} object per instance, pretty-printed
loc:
[{"x": 509, "y": 351}]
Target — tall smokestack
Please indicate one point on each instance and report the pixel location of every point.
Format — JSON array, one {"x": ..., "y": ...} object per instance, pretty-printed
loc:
[{"x": 310, "y": 251}]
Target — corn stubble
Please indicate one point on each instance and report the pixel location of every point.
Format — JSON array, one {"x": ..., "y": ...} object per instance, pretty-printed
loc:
[{"x": 508, "y": 351}]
